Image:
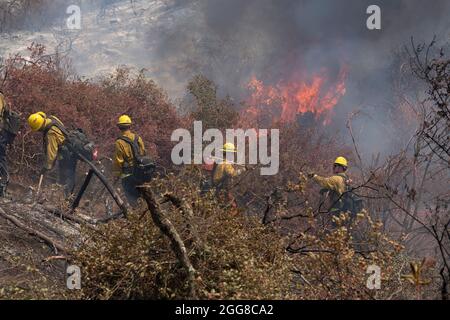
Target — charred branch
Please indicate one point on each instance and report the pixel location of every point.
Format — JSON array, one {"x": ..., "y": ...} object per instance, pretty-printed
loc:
[
  {"x": 168, "y": 229},
  {"x": 187, "y": 212}
]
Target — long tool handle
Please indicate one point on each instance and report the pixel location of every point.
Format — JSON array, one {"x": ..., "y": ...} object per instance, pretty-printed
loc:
[
  {"x": 76, "y": 202},
  {"x": 108, "y": 186},
  {"x": 38, "y": 193}
]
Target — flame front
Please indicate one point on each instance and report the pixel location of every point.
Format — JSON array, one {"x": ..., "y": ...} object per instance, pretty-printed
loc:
[{"x": 284, "y": 101}]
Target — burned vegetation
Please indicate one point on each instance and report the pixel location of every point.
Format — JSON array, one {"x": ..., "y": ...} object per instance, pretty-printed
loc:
[{"x": 273, "y": 241}]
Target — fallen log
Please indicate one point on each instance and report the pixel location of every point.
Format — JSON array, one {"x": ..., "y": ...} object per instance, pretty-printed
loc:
[
  {"x": 42, "y": 236},
  {"x": 82, "y": 222}
]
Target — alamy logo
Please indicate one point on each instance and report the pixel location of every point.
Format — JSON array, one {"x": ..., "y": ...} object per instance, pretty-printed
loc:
[
  {"x": 258, "y": 141},
  {"x": 74, "y": 20},
  {"x": 73, "y": 281},
  {"x": 374, "y": 20},
  {"x": 374, "y": 280}
]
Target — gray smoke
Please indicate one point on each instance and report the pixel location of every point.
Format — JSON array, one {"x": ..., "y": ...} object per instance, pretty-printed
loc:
[
  {"x": 234, "y": 38},
  {"x": 274, "y": 39},
  {"x": 231, "y": 40}
]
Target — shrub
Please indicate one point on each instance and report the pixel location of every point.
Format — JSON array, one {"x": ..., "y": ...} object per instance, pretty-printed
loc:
[
  {"x": 334, "y": 263},
  {"x": 44, "y": 83},
  {"x": 235, "y": 256}
]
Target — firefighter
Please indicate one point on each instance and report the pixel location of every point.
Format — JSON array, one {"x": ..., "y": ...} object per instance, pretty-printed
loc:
[
  {"x": 223, "y": 172},
  {"x": 55, "y": 149},
  {"x": 5, "y": 139},
  {"x": 334, "y": 186},
  {"x": 124, "y": 162}
]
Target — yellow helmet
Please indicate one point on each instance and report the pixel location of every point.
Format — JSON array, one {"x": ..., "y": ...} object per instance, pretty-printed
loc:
[
  {"x": 229, "y": 147},
  {"x": 42, "y": 113},
  {"x": 341, "y": 161},
  {"x": 36, "y": 121},
  {"x": 124, "y": 120}
]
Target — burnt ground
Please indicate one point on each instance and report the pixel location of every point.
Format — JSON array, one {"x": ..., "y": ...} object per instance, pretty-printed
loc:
[{"x": 32, "y": 237}]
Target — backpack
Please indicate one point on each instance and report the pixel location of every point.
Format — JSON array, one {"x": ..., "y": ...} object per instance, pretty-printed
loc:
[
  {"x": 10, "y": 124},
  {"x": 77, "y": 141},
  {"x": 144, "y": 167},
  {"x": 350, "y": 201}
]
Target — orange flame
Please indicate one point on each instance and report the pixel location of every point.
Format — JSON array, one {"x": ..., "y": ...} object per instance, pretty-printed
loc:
[{"x": 285, "y": 101}]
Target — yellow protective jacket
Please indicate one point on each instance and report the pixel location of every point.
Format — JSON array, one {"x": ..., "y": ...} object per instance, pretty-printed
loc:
[
  {"x": 53, "y": 141},
  {"x": 2, "y": 110},
  {"x": 123, "y": 155},
  {"x": 336, "y": 184},
  {"x": 222, "y": 173}
]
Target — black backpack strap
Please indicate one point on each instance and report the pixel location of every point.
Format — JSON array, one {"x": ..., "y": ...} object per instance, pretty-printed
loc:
[
  {"x": 137, "y": 153},
  {"x": 59, "y": 125},
  {"x": 134, "y": 144},
  {"x": 55, "y": 123}
]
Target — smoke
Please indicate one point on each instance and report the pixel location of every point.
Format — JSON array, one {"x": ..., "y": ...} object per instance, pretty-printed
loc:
[
  {"x": 231, "y": 41},
  {"x": 267, "y": 37}
]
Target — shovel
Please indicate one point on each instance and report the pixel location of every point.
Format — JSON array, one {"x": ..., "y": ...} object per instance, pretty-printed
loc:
[{"x": 41, "y": 178}]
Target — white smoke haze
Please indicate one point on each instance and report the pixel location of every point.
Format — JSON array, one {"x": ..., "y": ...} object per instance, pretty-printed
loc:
[{"x": 231, "y": 41}]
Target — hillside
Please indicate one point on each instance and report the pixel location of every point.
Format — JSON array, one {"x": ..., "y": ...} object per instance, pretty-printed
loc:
[
  {"x": 352, "y": 123},
  {"x": 121, "y": 33}
]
